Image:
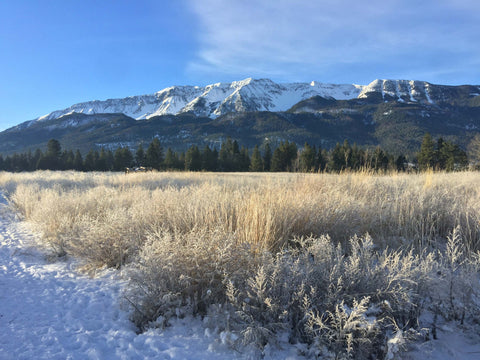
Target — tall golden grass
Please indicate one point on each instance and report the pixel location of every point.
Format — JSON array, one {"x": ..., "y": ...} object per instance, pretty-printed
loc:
[{"x": 266, "y": 211}]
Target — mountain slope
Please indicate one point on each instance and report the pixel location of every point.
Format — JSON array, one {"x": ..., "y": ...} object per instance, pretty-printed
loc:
[{"x": 392, "y": 113}]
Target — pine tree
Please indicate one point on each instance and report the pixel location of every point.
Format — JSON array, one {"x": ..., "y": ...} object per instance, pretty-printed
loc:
[
  {"x": 307, "y": 158},
  {"x": 337, "y": 159},
  {"x": 256, "y": 163},
  {"x": 154, "y": 155},
  {"x": 51, "y": 160},
  {"x": 400, "y": 163},
  {"x": 322, "y": 159},
  {"x": 193, "y": 159},
  {"x": 89, "y": 162},
  {"x": 243, "y": 160},
  {"x": 229, "y": 157},
  {"x": 140, "y": 156},
  {"x": 209, "y": 159},
  {"x": 123, "y": 158},
  {"x": 102, "y": 162},
  {"x": 78, "y": 161},
  {"x": 171, "y": 160},
  {"x": 267, "y": 157},
  {"x": 426, "y": 156},
  {"x": 283, "y": 157}
]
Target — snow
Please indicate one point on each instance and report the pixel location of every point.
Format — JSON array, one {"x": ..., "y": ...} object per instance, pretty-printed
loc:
[
  {"x": 411, "y": 90},
  {"x": 48, "y": 310},
  {"x": 427, "y": 93}
]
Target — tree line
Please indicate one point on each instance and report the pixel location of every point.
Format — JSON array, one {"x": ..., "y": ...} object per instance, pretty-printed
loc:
[{"x": 439, "y": 155}]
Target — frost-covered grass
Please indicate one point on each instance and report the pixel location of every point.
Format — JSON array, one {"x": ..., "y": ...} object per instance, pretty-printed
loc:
[{"x": 343, "y": 263}]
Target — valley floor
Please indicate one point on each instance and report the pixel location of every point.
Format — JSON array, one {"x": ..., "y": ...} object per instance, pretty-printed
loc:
[{"x": 50, "y": 311}]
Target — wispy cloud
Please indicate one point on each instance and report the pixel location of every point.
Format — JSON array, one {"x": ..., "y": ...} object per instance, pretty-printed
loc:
[{"x": 337, "y": 39}]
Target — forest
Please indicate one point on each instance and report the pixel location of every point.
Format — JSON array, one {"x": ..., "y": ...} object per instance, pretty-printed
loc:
[{"x": 437, "y": 154}]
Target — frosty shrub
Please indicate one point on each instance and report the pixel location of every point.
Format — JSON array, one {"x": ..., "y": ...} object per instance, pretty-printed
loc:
[
  {"x": 184, "y": 271},
  {"x": 320, "y": 292}
]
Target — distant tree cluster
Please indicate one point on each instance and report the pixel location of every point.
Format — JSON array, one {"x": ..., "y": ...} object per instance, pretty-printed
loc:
[{"x": 439, "y": 155}]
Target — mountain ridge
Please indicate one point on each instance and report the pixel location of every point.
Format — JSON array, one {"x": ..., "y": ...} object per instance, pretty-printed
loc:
[
  {"x": 248, "y": 95},
  {"x": 394, "y": 114}
]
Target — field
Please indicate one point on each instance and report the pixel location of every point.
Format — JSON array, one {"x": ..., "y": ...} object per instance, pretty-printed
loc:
[{"x": 347, "y": 264}]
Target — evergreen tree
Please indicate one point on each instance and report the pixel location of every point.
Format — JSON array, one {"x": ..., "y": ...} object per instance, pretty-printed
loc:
[
  {"x": 256, "y": 162},
  {"x": 51, "y": 160},
  {"x": 456, "y": 158},
  {"x": 181, "y": 161},
  {"x": 357, "y": 160},
  {"x": 209, "y": 159},
  {"x": 102, "y": 162},
  {"x": 140, "y": 156},
  {"x": 426, "y": 156},
  {"x": 337, "y": 159},
  {"x": 54, "y": 149},
  {"x": 400, "y": 163},
  {"x": 110, "y": 159},
  {"x": 307, "y": 158},
  {"x": 267, "y": 157},
  {"x": 78, "y": 161},
  {"x": 229, "y": 156},
  {"x": 171, "y": 160},
  {"x": 442, "y": 153},
  {"x": 154, "y": 155},
  {"x": 67, "y": 159},
  {"x": 89, "y": 163},
  {"x": 123, "y": 158},
  {"x": 283, "y": 157},
  {"x": 243, "y": 160},
  {"x": 322, "y": 159},
  {"x": 193, "y": 159}
]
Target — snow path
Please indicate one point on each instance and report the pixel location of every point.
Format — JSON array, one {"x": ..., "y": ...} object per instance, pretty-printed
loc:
[{"x": 49, "y": 311}]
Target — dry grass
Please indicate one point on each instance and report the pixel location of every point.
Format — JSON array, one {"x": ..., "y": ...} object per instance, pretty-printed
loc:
[
  {"x": 262, "y": 210},
  {"x": 263, "y": 252}
]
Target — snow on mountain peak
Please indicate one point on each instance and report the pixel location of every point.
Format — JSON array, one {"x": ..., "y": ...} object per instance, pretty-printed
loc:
[
  {"x": 400, "y": 90},
  {"x": 243, "y": 95}
]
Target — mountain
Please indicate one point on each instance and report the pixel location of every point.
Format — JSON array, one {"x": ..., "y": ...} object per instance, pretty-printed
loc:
[
  {"x": 391, "y": 113},
  {"x": 212, "y": 100}
]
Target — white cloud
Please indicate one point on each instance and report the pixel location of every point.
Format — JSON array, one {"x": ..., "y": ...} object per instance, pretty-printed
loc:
[{"x": 292, "y": 39}]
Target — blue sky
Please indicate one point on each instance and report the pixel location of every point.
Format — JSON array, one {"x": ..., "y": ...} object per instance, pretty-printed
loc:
[{"x": 54, "y": 53}]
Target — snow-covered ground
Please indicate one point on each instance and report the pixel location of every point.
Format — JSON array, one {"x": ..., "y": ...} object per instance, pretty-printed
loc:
[{"x": 48, "y": 310}]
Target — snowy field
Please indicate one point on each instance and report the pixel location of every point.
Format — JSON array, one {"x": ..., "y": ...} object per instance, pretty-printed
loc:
[{"x": 50, "y": 311}]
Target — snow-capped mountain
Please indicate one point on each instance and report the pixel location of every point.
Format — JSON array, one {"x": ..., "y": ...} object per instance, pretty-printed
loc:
[
  {"x": 213, "y": 100},
  {"x": 241, "y": 96},
  {"x": 252, "y": 95},
  {"x": 385, "y": 112}
]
